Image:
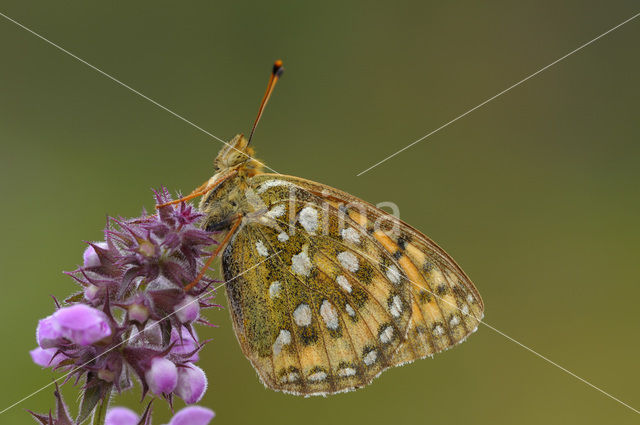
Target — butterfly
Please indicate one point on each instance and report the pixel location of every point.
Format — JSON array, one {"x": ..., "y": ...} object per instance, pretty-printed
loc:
[{"x": 325, "y": 290}]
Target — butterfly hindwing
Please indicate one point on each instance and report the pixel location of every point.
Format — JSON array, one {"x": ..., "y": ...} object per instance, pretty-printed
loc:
[
  {"x": 313, "y": 313},
  {"x": 323, "y": 299},
  {"x": 446, "y": 306}
]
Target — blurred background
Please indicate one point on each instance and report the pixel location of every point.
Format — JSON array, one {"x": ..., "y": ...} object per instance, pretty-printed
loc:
[{"x": 535, "y": 194}]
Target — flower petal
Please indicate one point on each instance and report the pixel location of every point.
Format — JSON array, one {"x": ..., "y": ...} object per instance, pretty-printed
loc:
[
  {"x": 192, "y": 383},
  {"x": 192, "y": 415},
  {"x": 185, "y": 345},
  {"x": 162, "y": 377},
  {"x": 45, "y": 357},
  {"x": 48, "y": 333},
  {"x": 121, "y": 416},
  {"x": 82, "y": 324},
  {"x": 188, "y": 310}
]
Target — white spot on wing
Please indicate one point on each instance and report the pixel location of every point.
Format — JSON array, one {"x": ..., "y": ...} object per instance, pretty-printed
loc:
[
  {"x": 455, "y": 320},
  {"x": 344, "y": 283},
  {"x": 350, "y": 311},
  {"x": 274, "y": 289},
  {"x": 301, "y": 264},
  {"x": 465, "y": 309},
  {"x": 283, "y": 339},
  {"x": 318, "y": 376},
  {"x": 276, "y": 211},
  {"x": 386, "y": 335},
  {"x": 309, "y": 219},
  {"x": 396, "y": 306},
  {"x": 290, "y": 377},
  {"x": 329, "y": 315},
  {"x": 393, "y": 274},
  {"x": 470, "y": 298},
  {"x": 271, "y": 183},
  {"x": 262, "y": 250},
  {"x": 439, "y": 330},
  {"x": 350, "y": 235},
  {"x": 348, "y": 260},
  {"x": 283, "y": 237},
  {"x": 347, "y": 371},
  {"x": 370, "y": 357},
  {"x": 302, "y": 315}
]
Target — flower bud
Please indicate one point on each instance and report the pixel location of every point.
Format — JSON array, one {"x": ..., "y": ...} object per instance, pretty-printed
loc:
[
  {"x": 188, "y": 310},
  {"x": 147, "y": 248},
  {"x": 192, "y": 383},
  {"x": 81, "y": 324},
  {"x": 91, "y": 292},
  {"x": 138, "y": 312},
  {"x": 192, "y": 415},
  {"x": 121, "y": 416},
  {"x": 48, "y": 333},
  {"x": 162, "y": 377},
  {"x": 184, "y": 344},
  {"x": 90, "y": 256}
]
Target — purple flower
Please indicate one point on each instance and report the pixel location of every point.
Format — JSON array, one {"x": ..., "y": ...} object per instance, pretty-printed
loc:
[
  {"x": 184, "y": 344},
  {"x": 81, "y": 324},
  {"x": 48, "y": 333},
  {"x": 192, "y": 383},
  {"x": 47, "y": 357},
  {"x": 192, "y": 415},
  {"x": 188, "y": 310},
  {"x": 90, "y": 256},
  {"x": 92, "y": 292},
  {"x": 121, "y": 416},
  {"x": 120, "y": 322},
  {"x": 162, "y": 376}
]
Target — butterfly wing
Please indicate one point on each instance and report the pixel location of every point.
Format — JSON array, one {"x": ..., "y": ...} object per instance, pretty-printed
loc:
[
  {"x": 446, "y": 306},
  {"x": 322, "y": 301}
]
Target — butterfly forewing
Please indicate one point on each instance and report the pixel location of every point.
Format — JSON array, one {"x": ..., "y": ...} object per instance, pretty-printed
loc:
[{"x": 323, "y": 299}]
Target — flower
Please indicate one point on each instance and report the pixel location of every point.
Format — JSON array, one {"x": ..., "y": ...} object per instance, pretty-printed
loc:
[
  {"x": 185, "y": 344},
  {"x": 121, "y": 416},
  {"x": 81, "y": 324},
  {"x": 48, "y": 334},
  {"x": 90, "y": 256},
  {"x": 188, "y": 310},
  {"x": 192, "y": 415},
  {"x": 133, "y": 316},
  {"x": 47, "y": 357},
  {"x": 162, "y": 376},
  {"x": 192, "y": 383}
]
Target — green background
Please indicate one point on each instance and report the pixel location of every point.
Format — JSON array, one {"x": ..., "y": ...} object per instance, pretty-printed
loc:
[{"x": 536, "y": 194}]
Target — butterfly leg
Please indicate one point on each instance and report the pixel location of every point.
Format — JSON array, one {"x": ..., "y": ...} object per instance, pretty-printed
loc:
[
  {"x": 215, "y": 253},
  {"x": 199, "y": 191},
  {"x": 203, "y": 189}
]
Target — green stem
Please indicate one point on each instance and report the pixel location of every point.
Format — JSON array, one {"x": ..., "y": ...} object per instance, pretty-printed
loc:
[{"x": 101, "y": 409}]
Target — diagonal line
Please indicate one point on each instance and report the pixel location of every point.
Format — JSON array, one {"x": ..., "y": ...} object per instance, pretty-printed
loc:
[
  {"x": 499, "y": 94},
  {"x": 109, "y": 76},
  {"x": 515, "y": 341},
  {"x": 135, "y": 335}
]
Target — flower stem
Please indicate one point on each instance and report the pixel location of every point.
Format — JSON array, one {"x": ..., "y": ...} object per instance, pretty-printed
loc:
[{"x": 101, "y": 409}]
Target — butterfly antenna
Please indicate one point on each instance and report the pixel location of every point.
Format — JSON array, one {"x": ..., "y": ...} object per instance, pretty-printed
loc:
[{"x": 273, "y": 79}]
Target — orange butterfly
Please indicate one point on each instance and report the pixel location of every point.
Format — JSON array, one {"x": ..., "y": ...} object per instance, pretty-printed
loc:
[{"x": 326, "y": 291}]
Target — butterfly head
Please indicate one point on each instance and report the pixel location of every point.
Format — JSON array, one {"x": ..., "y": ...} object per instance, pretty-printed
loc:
[{"x": 237, "y": 155}]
